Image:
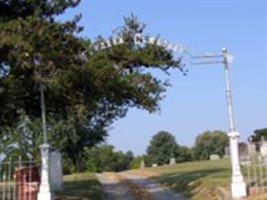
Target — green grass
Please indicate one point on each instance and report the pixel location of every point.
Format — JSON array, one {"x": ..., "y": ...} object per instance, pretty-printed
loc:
[
  {"x": 197, "y": 180},
  {"x": 80, "y": 187}
]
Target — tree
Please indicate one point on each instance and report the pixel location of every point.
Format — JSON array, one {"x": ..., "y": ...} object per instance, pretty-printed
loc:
[
  {"x": 129, "y": 156},
  {"x": 136, "y": 162},
  {"x": 83, "y": 96},
  {"x": 259, "y": 134},
  {"x": 210, "y": 142},
  {"x": 104, "y": 158},
  {"x": 162, "y": 147},
  {"x": 183, "y": 154}
]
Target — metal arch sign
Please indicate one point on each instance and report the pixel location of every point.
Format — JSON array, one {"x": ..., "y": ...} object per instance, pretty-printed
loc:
[{"x": 139, "y": 39}]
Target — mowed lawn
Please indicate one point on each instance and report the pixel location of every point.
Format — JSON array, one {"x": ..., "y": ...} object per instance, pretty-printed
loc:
[
  {"x": 198, "y": 180},
  {"x": 83, "y": 186}
]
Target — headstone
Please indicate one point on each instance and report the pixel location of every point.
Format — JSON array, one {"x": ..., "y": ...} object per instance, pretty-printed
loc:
[
  {"x": 227, "y": 152},
  {"x": 243, "y": 149},
  {"x": 55, "y": 168},
  {"x": 172, "y": 161},
  {"x": 214, "y": 157},
  {"x": 142, "y": 165},
  {"x": 154, "y": 165},
  {"x": 252, "y": 150},
  {"x": 263, "y": 149}
]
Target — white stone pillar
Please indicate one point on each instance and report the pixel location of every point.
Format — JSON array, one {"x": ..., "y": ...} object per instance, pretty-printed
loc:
[
  {"x": 238, "y": 186},
  {"x": 44, "y": 190}
]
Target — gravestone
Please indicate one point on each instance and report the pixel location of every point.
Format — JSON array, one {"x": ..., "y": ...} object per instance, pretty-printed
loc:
[
  {"x": 263, "y": 149},
  {"x": 142, "y": 165},
  {"x": 154, "y": 165},
  {"x": 252, "y": 150},
  {"x": 243, "y": 150},
  {"x": 55, "y": 168},
  {"x": 214, "y": 157},
  {"x": 227, "y": 152},
  {"x": 172, "y": 161}
]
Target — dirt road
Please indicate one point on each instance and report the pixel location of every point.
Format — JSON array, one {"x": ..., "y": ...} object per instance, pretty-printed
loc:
[{"x": 130, "y": 186}]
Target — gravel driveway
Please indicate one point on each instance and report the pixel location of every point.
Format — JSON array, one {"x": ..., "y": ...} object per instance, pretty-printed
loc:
[
  {"x": 157, "y": 191},
  {"x": 115, "y": 190}
]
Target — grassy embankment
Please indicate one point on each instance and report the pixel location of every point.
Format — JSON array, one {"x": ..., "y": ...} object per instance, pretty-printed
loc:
[
  {"x": 197, "y": 180},
  {"x": 80, "y": 187}
]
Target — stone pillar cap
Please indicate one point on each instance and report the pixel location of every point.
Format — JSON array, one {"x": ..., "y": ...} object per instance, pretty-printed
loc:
[{"x": 233, "y": 134}]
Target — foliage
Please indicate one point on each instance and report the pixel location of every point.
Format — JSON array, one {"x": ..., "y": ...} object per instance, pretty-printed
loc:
[
  {"x": 80, "y": 186},
  {"x": 26, "y": 138},
  {"x": 162, "y": 147},
  {"x": 104, "y": 158},
  {"x": 10, "y": 9},
  {"x": 259, "y": 134},
  {"x": 128, "y": 158},
  {"x": 67, "y": 165},
  {"x": 210, "y": 142},
  {"x": 84, "y": 95},
  {"x": 183, "y": 154},
  {"x": 136, "y": 162}
]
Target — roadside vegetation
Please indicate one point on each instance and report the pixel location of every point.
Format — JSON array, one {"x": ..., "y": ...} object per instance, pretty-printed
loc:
[{"x": 83, "y": 186}]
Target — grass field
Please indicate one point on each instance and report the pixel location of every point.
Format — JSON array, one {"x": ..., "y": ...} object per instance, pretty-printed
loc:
[
  {"x": 197, "y": 180},
  {"x": 80, "y": 187}
]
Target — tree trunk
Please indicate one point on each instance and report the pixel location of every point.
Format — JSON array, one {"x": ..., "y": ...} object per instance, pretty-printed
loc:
[{"x": 78, "y": 163}]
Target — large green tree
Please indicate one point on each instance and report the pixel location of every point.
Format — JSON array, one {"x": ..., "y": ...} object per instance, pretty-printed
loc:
[
  {"x": 162, "y": 147},
  {"x": 105, "y": 158},
  {"x": 84, "y": 94},
  {"x": 210, "y": 142}
]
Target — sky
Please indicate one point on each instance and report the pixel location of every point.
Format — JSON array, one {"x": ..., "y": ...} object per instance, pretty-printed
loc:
[{"x": 195, "y": 103}]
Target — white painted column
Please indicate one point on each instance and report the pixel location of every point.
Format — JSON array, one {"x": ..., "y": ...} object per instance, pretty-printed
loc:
[
  {"x": 238, "y": 186},
  {"x": 44, "y": 190}
]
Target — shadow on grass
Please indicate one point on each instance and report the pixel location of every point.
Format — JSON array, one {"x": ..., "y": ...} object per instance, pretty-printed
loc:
[
  {"x": 195, "y": 182},
  {"x": 80, "y": 190}
]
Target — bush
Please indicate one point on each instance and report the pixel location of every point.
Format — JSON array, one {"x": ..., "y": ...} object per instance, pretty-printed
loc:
[{"x": 68, "y": 167}]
